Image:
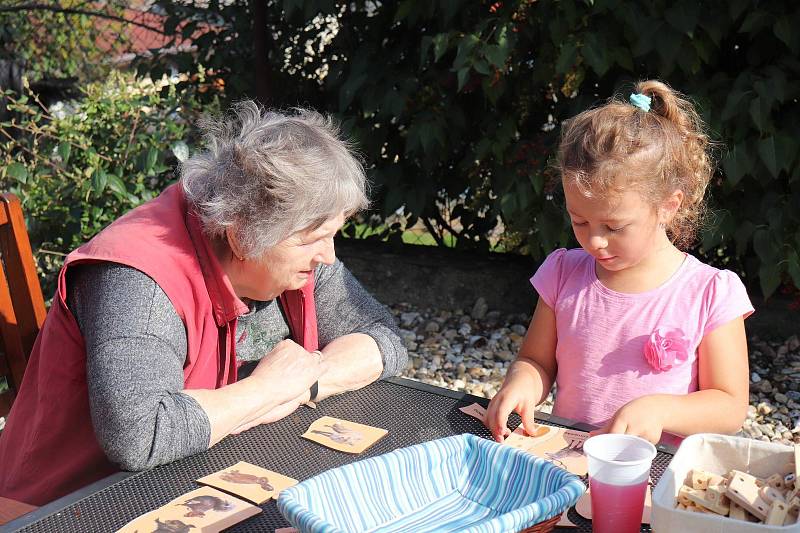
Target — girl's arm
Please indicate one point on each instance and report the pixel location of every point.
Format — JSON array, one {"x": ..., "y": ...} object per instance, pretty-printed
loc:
[
  {"x": 530, "y": 377},
  {"x": 720, "y": 406}
]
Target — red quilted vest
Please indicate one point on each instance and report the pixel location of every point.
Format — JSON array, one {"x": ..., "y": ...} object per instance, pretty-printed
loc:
[{"x": 48, "y": 447}]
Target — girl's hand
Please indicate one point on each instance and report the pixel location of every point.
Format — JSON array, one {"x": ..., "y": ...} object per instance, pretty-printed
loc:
[
  {"x": 529, "y": 377},
  {"x": 641, "y": 417},
  {"x": 514, "y": 395}
]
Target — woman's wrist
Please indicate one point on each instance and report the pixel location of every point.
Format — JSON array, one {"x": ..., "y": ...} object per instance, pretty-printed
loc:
[{"x": 313, "y": 392}]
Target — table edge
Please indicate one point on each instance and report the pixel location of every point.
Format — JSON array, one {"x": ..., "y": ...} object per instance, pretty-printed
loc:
[
  {"x": 65, "y": 501},
  {"x": 88, "y": 490}
]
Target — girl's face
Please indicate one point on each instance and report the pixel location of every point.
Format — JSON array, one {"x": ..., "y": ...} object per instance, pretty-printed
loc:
[{"x": 620, "y": 231}]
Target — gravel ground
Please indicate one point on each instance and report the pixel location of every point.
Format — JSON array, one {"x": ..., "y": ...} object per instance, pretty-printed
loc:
[{"x": 470, "y": 350}]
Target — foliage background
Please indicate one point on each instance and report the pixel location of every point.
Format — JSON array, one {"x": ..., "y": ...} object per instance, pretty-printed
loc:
[
  {"x": 65, "y": 43},
  {"x": 456, "y": 104},
  {"x": 78, "y": 167}
]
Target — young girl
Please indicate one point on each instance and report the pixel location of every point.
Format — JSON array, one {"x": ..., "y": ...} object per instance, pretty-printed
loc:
[{"x": 640, "y": 337}]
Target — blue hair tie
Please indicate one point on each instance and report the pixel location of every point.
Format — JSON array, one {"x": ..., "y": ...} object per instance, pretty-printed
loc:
[{"x": 641, "y": 101}]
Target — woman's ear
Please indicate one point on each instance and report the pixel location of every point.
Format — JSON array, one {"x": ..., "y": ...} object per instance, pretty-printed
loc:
[
  {"x": 233, "y": 244},
  {"x": 670, "y": 206}
]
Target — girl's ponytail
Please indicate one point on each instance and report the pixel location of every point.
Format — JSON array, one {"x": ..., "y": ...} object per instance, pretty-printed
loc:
[{"x": 690, "y": 157}]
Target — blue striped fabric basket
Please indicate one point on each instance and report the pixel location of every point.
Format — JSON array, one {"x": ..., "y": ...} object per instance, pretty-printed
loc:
[{"x": 462, "y": 483}]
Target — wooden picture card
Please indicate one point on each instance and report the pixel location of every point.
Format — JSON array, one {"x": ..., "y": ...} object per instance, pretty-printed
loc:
[
  {"x": 562, "y": 447},
  {"x": 204, "y": 510},
  {"x": 343, "y": 435},
  {"x": 475, "y": 410},
  {"x": 249, "y": 481}
]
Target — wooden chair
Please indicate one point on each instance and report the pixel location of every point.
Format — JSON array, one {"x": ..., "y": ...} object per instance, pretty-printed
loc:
[
  {"x": 22, "y": 308},
  {"x": 22, "y": 314},
  {"x": 12, "y": 509}
]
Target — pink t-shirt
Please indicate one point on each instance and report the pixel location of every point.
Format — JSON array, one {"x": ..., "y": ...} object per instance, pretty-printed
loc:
[{"x": 602, "y": 333}]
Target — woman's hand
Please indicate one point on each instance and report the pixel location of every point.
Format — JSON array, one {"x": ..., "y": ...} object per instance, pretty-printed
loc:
[
  {"x": 518, "y": 393},
  {"x": 291, "y": 366},
  {"x": 281, "y": 411},
  {"x": 641, "y": 417}
]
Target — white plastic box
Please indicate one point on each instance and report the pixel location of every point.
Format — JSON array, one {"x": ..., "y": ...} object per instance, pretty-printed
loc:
[{"x": 717, "y": 454}]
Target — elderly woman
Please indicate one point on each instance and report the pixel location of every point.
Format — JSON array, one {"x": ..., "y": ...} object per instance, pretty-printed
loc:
[{"x": 215, "y": 307}]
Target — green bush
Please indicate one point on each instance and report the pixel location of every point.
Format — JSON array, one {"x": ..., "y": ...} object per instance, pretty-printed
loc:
[
  {"x": 460, "y": 102},
  {"x": 739, "y": 61},
  {"x": 60, "y": 40},
  {"x": 456, "y": 105},
  {"x": 77, "y": 166},
  {"x": 467, "y": 98}
]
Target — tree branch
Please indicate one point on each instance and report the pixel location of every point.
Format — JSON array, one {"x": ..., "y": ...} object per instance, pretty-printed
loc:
[
  {"x": 436, "y": 237},
  {"x": 74, "y": 11},
  {"x": 446, "y": 225}
]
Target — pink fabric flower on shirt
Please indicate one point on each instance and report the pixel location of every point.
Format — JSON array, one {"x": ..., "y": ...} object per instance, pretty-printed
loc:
[{"x": 666, "y": 347}]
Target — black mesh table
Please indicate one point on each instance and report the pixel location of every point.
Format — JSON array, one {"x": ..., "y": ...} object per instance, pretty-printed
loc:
[{"x": 412, "y": 412}]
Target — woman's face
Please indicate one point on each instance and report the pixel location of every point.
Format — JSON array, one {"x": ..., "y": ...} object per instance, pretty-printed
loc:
[{"x": 287, "y": 265}]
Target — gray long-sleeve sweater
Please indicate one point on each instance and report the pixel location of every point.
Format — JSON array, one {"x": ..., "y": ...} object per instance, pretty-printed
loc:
[{"x": 136, "y": 348}]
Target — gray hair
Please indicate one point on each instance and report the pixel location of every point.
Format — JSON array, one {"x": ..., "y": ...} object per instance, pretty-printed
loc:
[{"x": 266, "y": 175}]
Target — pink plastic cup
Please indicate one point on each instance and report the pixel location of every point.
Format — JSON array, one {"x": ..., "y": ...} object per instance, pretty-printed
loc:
[{"x": 619, "y": 469}]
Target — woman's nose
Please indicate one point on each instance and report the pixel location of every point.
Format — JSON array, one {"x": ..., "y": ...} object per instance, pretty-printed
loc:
[{"x": 328, "y": 253}]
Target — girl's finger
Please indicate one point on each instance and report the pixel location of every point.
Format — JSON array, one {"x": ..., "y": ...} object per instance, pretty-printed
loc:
[
  {"x": 600, "y": 431},
  {"x": 617, "y": 426},
  {"x": 501, "y": 431},
  {"x": 528, "y": 420}
]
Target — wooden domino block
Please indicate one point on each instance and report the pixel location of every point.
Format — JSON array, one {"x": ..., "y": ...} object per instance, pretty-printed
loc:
[
  {"x": 794, "y": 505},
  {"x": 777, "y": 514},
  {"x": 683, "y": 496},
  {"x": 743, "y": 490},
  {"x": 692, "y": 495},
  {"x": 698, "y": 509},
  {"x": 773, "y": 500},
  {"x": 792, "y": 494},
  {"x": 717, "y": 499},
  {"x": 792, "y": 512},
  {"x": 713, "y": 499},
  {"x": 776, "y": 481},
  {"x": 698, "y": 479},
  {"x": 770, "y": 495},
  {"x": 717, "y": 480},
  {"x": 797, "y": 461},
  {"x": 737, "y": 512}
]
